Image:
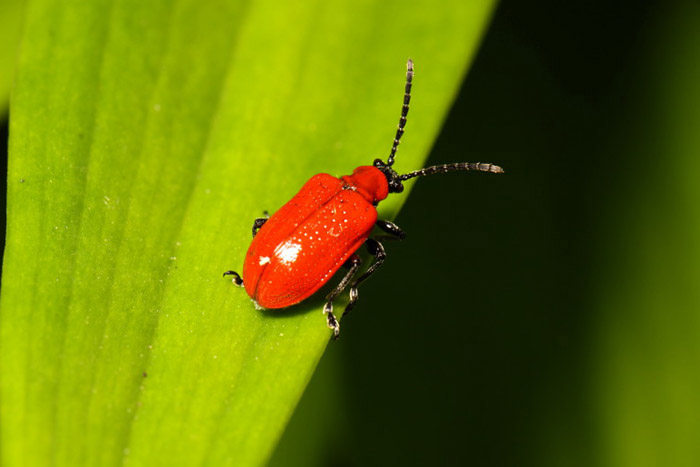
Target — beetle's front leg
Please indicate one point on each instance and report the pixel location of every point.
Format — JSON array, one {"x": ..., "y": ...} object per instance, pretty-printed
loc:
[
  {"x": 353, "y": 264},
  {"x": 392, "y": 229}
]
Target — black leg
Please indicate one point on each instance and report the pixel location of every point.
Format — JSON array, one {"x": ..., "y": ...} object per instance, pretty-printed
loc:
[
  {"x": 259, "y": 222},
  {"x": 353, "y": 264},
  {"x": 236, "y": 278},
  {"x": 391, "y": 229},
  {"x": 376, "y": 249}
]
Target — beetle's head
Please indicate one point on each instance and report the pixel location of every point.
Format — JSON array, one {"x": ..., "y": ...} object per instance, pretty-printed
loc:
[{"x": 392, "y": 178}]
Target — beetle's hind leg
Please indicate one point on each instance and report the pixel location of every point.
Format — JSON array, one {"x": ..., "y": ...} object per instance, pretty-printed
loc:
[
  {"x": 375, "y": 249},
  {"x": 353, "y": 264},
  {"x": 236, "y": 278}
]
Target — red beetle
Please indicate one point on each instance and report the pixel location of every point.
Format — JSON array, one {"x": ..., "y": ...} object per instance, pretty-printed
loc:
[{"x": 297, "y": 250}]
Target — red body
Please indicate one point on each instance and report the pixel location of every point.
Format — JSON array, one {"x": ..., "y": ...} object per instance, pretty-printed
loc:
[{"x": 303, "y": 244}]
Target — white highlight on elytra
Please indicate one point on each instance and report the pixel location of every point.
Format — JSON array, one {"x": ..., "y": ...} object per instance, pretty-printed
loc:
[
  {"x": 264, "y": 260},
  {"x": 287, "y": 252}
]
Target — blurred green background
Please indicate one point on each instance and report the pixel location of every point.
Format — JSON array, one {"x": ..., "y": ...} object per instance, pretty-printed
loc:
[{"x": 579, "y": 341}]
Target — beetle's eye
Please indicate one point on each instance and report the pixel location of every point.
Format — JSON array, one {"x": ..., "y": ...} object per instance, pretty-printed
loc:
[{"x": 378, "y": 163}]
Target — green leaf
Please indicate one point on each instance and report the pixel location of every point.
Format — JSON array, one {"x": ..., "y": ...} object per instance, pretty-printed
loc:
[
  {"x": 10, "y": 22},
  {"x": 145, "y": 137}
]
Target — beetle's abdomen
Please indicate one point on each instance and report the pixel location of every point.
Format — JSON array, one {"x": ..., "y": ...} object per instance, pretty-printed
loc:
[{"x": 304, "y": 243}]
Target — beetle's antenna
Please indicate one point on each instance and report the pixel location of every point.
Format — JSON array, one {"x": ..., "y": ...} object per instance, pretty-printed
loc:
[
  {"x": 457, "y": 166},
  {"x": 404, "y": 112}
]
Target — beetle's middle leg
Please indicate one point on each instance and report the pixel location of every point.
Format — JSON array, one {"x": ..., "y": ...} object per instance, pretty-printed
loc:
[
  {"x": 353, "y": 264},
  {"x": 375, "y": 249}
]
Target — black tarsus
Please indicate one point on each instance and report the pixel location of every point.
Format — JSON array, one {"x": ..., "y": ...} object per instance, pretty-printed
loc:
[{"x": 236, "y": 278}]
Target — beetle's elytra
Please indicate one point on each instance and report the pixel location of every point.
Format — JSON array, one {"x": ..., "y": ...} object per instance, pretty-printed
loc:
[{"x": 297, "y": 250}]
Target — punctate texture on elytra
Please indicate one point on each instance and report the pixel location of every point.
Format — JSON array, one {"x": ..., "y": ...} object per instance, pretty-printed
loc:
[{"x": 304, "y": 243}]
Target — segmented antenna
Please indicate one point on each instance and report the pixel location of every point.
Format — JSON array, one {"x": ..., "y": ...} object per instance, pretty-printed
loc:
[
  {"x": 404, "y": 112},
  {"x": 439, "y": 169}
]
